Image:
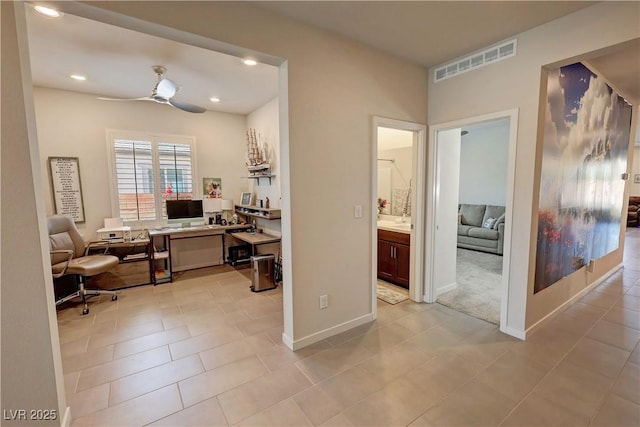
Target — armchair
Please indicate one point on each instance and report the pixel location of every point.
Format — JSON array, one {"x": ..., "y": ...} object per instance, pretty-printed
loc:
[{"x": 70, "y": 256}]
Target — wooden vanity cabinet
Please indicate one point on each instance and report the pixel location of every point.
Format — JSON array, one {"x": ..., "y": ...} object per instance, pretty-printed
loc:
[{"x": 393, "y": 257}]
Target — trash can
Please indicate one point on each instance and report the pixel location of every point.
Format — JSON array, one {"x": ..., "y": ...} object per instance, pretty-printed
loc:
[{"x": 262, "y": 277}]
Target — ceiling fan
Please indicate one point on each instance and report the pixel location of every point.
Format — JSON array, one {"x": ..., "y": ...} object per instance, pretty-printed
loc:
[{"x": 163, "y": 93}]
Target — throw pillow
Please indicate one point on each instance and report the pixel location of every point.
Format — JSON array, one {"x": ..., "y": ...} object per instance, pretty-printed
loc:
[
  {"x": 459, "y": 218},
  {"x": 499, "y": 221},
  {"x": 489, "y": 223}
]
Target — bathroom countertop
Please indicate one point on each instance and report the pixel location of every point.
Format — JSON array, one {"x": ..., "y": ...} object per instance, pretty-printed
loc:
[{"x": 398, "y": 227}]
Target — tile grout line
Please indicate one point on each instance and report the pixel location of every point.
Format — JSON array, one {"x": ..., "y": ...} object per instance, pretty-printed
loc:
[{"x": 560, "y": 361}]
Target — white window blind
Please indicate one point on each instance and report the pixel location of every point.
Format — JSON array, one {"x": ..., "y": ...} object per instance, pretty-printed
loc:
[
  {"x": 135, "y": 180},
  {"x": 148, "y": 170},
  {"x": 175, "y": 170}
]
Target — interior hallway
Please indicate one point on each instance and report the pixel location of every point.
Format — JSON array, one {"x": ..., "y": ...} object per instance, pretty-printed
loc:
[{"x": 206, "y": 351}]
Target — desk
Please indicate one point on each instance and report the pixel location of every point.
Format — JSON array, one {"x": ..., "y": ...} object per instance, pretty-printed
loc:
[
  {"x": 255, "y": 239},
  {"x": 187, "y": 248},
  {"x": 134, "y": 268}
]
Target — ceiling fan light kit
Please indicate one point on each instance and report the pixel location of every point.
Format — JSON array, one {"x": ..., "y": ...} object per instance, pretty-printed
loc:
[{"x": 163, "y": 92}]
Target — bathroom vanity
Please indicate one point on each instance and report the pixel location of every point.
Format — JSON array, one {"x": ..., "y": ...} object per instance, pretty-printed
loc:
[{"x": 394, "y": 248}]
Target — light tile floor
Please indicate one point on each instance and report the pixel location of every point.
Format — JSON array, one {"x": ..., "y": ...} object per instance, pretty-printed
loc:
[{"x": 206, "y": 351}]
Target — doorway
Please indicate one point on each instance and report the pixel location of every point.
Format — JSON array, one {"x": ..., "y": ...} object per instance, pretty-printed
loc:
[
  {"x": 481, "y": 201},
  {"x": 402, "y": 184},
  {"x": 442, "y": 219}
]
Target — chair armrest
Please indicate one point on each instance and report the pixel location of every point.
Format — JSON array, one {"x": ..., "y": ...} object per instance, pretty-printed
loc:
[
  {"x": 97, "y": 244},
  {"x": 69, "y": 254}
]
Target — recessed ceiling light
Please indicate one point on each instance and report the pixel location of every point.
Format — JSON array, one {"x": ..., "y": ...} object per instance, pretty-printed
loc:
[
  {"x": 249, "y": 61},
  {"x": 78, "y": 77},
  {"x": 214, "y": 99},
  {"x": 48, "y": 11}
]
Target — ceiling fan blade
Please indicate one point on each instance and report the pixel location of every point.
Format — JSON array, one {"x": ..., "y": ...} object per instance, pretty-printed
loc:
[
  {"x": 165, "y": 89},
  {"x": 190, "y": 108},
  {"x": 146, "y": 98}
]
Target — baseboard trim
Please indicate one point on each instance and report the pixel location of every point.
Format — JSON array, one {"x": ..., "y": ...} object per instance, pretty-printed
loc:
[
  {"x": 516, "y": 333},
  {"x": 66, "y": 418},
  {"x": 530, "y": 330},
  {"x": 326, "y": 333},
  {"x": 445, "y": 289},
  {"x": 286, "y": 340}
]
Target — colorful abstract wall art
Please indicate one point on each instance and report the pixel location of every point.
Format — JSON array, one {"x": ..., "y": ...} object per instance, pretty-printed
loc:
[{"x": 585, "y": 152}]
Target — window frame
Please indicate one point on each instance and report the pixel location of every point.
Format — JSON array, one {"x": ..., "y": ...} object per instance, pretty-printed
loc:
[{"x": 155, "y": 139}]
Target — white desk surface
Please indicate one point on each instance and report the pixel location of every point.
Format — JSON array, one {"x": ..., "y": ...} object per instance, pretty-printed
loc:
[
  {"x": 255, "y": 238},
  {"x": 202, "y": 229}
]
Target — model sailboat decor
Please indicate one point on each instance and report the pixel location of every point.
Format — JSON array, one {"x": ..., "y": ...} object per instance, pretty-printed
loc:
[{"x": 257, "y": 156}]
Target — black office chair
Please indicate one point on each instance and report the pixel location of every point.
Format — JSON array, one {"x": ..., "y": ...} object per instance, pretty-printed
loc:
[{"x": 71, "y": 256}]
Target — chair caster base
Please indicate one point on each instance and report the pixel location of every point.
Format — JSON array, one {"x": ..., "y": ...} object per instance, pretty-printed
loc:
[
  {"x": 114, "y": 297},
  {"x": 85, "y": 311}
]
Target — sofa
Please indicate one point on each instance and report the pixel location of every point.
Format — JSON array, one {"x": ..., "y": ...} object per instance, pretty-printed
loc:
[
  {"x": 481, "y": 228},
  {"x": 633, "y": 211}
]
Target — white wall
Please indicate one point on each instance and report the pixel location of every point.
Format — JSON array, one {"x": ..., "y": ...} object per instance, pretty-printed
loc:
[
  {"x": 335, "y": 87},
  {"x": 446, "y": 218},
  {"x": 265, "y": 121},
  {"x": 32, "y": 377},
  {"x": 73, "y": 124},
  {"x": 515, "y": 83},
  {"x": 483, "y": 164}
]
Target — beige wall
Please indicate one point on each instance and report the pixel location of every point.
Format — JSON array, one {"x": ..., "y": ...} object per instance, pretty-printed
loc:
[
  {"x": 73, "y": 124},
  {"x": 31, "y": 364},
  {"x": 515, "y": 83},
  {"x": 335, "y": 86}
]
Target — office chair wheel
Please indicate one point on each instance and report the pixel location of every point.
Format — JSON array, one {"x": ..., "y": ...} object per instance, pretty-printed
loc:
[
  {"x": 114, "y": 297},
  {"x": 85, "y": 311}
]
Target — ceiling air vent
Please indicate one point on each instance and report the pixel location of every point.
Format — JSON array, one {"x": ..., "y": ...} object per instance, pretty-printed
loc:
[{"x": 477, "y": 60}]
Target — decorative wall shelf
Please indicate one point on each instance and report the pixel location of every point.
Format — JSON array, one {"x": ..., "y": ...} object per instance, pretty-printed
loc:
[
  {"x": 257, "y": 212},
  {"x": 261, "y": 176}
]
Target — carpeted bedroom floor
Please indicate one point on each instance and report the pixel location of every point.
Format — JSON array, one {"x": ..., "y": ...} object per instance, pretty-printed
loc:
[{"x": 479, "y": 279}]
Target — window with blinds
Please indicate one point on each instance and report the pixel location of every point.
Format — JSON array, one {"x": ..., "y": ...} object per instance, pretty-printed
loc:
[
  {"x": 135, "y": 180},
  {"x": 147, "y": 172}
]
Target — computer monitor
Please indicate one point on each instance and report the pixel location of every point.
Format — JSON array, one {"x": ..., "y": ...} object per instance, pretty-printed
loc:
[{"x": 184, "y": 209}]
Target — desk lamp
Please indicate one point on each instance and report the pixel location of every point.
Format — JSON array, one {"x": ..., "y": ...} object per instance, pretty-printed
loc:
[{"x": 227, "y": 205}]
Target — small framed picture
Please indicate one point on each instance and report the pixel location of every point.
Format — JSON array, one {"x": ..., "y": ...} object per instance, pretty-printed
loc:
[
  {"x": 636, "y": 178},
  {"x": 245, "y": 199}
]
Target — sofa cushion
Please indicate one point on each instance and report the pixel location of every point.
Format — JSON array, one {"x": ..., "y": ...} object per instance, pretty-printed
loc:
[
  {"x": 483, "y": 233},
  {"x": 463, "y": 230},
  {"x": 492, "y": 212},
  {"x": 472, "y": 214}
]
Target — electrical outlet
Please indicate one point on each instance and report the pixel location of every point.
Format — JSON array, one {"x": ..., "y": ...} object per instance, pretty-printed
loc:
[
  {"x": 324, "y": 301},
  {"x": 357, "y": 211}
]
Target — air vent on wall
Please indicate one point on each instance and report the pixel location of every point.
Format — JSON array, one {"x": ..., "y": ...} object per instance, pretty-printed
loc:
[{"x": 476, "y": 60}]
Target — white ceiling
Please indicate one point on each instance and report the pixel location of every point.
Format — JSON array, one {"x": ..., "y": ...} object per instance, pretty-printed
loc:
[{"x": 117, "y": 63}]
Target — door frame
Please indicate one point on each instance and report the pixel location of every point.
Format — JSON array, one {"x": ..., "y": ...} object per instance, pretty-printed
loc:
[
  {"x": 418, "y": 179},
  {"x": 432, "y": 199}
]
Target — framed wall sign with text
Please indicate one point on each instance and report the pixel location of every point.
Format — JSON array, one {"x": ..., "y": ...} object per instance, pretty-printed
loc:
[{"x": 67, "y": 189}]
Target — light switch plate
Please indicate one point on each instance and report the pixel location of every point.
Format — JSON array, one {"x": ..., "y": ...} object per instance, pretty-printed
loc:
[
  {"x": 324, "y": 301},
  {"x": 357, "y": 211}
]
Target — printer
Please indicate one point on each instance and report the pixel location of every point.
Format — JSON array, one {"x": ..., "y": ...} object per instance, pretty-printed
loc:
[{"x": 114, "y": 231}]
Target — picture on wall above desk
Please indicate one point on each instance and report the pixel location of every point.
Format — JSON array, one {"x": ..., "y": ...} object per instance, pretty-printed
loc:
[
  {"x": 212, "y": 188},
  {"x": 65, "y": 184}
]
